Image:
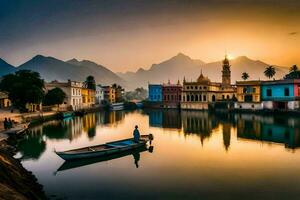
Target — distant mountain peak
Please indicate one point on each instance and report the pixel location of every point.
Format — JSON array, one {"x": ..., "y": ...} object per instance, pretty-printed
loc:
[{"x": 72, "y": 60}]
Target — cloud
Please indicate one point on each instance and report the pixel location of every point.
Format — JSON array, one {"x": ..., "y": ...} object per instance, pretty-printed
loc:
[{"x": 293, "y": 33}]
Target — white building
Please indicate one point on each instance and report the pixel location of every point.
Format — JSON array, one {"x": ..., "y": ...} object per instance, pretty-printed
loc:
[
  {"x": 99, "y": 94},
  {"x": 72, "y": 89}
]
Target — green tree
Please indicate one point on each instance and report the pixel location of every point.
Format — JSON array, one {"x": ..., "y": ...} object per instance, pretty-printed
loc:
[
  {"x": 24, "y": 86},
  {"x": 294, "y": 68},
  {"x": 55, "y": 96},
  {"x": 245, "y": 75},
  {"x": 270, "y": 72},
  {"x": 90, "y": 83},
  {"x": 294, "y": 73}
]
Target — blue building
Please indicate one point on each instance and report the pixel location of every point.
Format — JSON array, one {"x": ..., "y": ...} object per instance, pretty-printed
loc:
[
  {"x": 155, "y": 92},
  {"x": 280, "y": 94}
]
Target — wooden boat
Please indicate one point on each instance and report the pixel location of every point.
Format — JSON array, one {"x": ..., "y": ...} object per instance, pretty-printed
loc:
[
  {"x": 66, "y": 114},
  {"x": 104, "y": 149},
  {"x": 84, "y": 162},
  {"x": 17, "y": 129},
  {"x": 117, "y": 106}
]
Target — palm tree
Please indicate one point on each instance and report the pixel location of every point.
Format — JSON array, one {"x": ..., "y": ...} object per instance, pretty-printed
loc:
[
  {"x": 294, "y": 68},
  {"x": 270, "y": 72},
  {"x": 245, "y": 76}
]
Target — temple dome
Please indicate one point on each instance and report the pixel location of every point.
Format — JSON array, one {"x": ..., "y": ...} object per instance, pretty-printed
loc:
[{"x": 202, "y": 79}]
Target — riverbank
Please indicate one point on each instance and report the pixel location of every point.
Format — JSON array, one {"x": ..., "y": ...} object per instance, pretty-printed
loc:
[{"x": 15, "y": 181}]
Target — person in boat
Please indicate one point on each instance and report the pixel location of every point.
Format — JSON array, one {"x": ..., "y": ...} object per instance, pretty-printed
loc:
[
  {"x": 136, "y": 134},
  {"x": 5, "y": 123}
]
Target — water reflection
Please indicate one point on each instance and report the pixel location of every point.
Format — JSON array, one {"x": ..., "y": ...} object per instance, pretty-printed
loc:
[{"x": 220, "y": 155}]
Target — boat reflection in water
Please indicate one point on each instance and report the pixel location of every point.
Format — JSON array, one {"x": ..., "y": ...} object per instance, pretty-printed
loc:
[{"x": 83, "y": 162}]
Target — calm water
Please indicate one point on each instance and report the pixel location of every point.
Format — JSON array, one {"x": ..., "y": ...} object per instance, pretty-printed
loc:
[{"x": 196, "y": 155}]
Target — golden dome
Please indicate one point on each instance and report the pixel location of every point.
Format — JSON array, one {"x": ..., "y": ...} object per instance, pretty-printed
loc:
[{"x": 202, "y": 78}]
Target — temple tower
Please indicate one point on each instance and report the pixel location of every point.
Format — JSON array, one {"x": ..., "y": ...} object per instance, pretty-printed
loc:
[{"x": 226, "y": 73}]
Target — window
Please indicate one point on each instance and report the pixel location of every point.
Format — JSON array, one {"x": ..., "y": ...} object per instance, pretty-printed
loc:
[
  {"x": 188, "y": 98},
  {"x": 187, "y": 87},
  {"x": 204, "y": 97},
  {"x": 269, "y": 92},
  {"x": 196, "y": 87},
  {"x": 286, "y": 92},
  {"x": 254, "y": 90}
]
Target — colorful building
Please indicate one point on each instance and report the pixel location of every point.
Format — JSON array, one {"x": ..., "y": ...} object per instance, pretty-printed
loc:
[
  {"x": 88, "y": 97},
  {"x": 155, "y": 92},
  {"x": 72, "y": 89},
  {"x": 171, "y": 95},
  {"x": 248, "y": 95},
  {"x": 4, "y": 100},
  {"x": 197, "y": 95},
  {"x": 281, "y": 94},
  {"x": 109, "y": 94},
  {"x": 99, "y": 94}
]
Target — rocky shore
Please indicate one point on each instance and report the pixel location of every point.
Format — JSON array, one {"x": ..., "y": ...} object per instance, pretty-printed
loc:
[{"x": 15, "y": 181}]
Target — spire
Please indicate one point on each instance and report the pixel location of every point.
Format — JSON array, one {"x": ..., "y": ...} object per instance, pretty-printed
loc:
[
  {"x": 184, "y": 79},
  {"x": 169, "y": 82},
  {"x": 178, "y": 82}
]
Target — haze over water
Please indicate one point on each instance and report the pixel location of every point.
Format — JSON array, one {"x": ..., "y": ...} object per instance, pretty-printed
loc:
[{"x": 196, "y": 155}]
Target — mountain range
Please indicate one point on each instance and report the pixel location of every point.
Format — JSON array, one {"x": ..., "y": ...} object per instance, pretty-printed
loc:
[
  {"x": 180, "y": 66},
  {"x": 6, "y": 68},
  {"x": 173, "y": 69}
]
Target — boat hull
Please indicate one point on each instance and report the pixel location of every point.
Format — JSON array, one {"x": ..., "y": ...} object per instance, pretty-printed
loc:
[{"x": 73, "y": 155}]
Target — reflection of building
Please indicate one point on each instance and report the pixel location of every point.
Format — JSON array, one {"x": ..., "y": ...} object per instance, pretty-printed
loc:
[
  {"x": 112, "y": 117},
  {"x": 248, "y": 95},
  {"x": 277, "y": 130},
  {"x": 89, "y": 124},
  {"x": 198, "y": 94},
  {"x": 171, "y": 95},
  {"x": 281, "y": 94},
  {"x": 88, "y": 97},
  {"x": 155, "y": 92},
  {"x": 72, "y": 89},
  {"x": 4, "y": 100},
  {"x": 200, "y": 123},
  {"x": 226, "y": 129},
  {"x": 165, "y": 119}
]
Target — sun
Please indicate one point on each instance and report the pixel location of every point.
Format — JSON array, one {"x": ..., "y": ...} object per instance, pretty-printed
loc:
[{"x": 230, "y": 56}]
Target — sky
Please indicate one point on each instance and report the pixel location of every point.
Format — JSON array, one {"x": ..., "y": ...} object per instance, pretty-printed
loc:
[{"x": 125, "y": 35}]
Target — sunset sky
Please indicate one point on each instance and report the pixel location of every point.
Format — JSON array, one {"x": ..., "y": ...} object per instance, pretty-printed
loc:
[{"x": 126, "y": 35}]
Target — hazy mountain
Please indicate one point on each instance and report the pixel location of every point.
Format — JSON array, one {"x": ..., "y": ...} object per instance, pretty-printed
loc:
[
  {"x": 183, "y": 66},
  {"x": 6, "y": 68},
  {"x": 174, "y": 68},
  {"x": 53, "y": 69}
]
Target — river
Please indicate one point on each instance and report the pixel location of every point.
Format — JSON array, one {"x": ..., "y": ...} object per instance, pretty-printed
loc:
[{"x": 194, "y": 155}]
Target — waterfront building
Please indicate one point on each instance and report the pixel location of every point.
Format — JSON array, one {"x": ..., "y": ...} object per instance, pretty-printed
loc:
[
  {"x": 119, "y": 93},
  {"x": 248, "y": 95},
  {"x": 99, "y": 94},
  {"x": 109, "y": 94},
  {"x": 281, "y": 94},
  {"x": 33, "y": 107},
  {"x": 155, "y": 92},
  {"x": 72, "y": 89},
  {"x": 88, "y": 97},
  {"x": 197, "y": 95},
  {"x": 4, "y": 100},
  {"x": 171, "y": 95}
]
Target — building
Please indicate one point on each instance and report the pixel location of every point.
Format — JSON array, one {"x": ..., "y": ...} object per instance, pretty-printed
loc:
[
  {"x": 281, "y": 94},
  {"x": 88, "y": 97},
  {"x": 171, "y": 95},
  {"x": 119, "y": 93},
  {"x": 99, "y": 94},
  {"x": 248, "y": 95},
  {"x": 155, "y": 92},
  {"x": 109, "y": 94},
  {"x": 197, "y": 95},
  {"x": 33, "y": 107},
  {"x": 4, "y": 100},
  {"x": 73, "y": 89}
]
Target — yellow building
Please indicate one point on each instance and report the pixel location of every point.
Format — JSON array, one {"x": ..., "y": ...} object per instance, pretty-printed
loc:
[
  {"x": 88, "y": 97},
  {"x": 248, "y": 95},
  {"x": 34, "y": 107},
  {"x": 109, "y": 94},
  {"x": 4, "y": 100}
]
